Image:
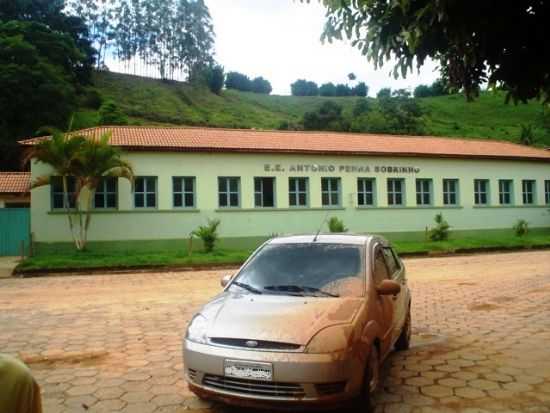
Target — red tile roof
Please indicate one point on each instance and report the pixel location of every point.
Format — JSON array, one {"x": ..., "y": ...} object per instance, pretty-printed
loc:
[
  {"x": 189, "y": 139},
  {"x": 15, "y": 182}
]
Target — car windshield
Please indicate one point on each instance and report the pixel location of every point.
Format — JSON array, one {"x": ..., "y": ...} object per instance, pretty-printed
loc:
[{"x": 312, "y": 269}]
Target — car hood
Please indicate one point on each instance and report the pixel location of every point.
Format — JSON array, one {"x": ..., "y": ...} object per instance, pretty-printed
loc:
[{"x": 280, "y": 318}]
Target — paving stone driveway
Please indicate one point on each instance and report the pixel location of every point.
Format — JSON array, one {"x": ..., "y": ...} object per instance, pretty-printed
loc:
[{"x": 109, "y": 343}]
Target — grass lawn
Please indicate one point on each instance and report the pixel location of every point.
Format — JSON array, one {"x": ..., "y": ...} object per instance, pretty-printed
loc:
[{"x": 73, "y": 261}]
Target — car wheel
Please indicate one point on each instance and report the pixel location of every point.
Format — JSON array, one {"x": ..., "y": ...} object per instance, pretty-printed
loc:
[
  {"x": 371, "y": 382},
  {"x": 404, "y": 340}
]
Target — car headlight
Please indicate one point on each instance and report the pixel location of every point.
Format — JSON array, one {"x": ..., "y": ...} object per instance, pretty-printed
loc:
[
  {"x": 196, "y": 331},
  {"x": 330, "y": 340}
]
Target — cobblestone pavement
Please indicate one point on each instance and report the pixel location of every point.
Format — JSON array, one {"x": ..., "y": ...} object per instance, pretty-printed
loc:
[{"x": 107, "y": 343}]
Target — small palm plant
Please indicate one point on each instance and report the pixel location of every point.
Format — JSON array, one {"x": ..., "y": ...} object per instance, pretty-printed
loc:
[
  {"x": 208, "y": 234},
  {"x": 336, "y": 225},
  {"x": 87, "y": 160},
  {"x": 441, "y": 230}
]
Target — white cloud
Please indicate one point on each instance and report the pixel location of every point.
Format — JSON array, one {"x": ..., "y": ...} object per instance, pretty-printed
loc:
[{"x": 280, "y": 40}]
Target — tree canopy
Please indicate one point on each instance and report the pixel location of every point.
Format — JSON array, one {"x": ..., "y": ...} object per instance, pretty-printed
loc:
[{"x": 503, "y": 43}]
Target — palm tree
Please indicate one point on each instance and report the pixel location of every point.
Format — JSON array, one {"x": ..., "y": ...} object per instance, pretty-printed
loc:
[{"x": 87, "y": 160}]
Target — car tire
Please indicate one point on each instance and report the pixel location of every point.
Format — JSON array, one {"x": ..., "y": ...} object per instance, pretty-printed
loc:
[
  {"x": 371, "y": 382},
  {"x": 404, "y": 340}
]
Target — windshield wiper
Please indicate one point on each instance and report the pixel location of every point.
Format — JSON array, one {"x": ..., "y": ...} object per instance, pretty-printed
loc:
[
  {"x": 247, "y": 287},
  {"x": 298, "y": 289}
]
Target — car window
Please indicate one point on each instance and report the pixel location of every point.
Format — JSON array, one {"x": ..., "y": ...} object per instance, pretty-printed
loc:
[
  {"x": 295, "y": 268},
  {"x": 391, "y": 262},
  {"x": 380, "y": 268}
]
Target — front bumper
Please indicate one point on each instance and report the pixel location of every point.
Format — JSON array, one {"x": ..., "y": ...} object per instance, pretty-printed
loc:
[{"x": 299, "y": 379}]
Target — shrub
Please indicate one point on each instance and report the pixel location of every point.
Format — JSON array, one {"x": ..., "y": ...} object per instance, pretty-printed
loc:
[
  {"x": 385, "y": 92},
  {"x": 527, "y": 137},
  {"x": 208, "y": 234},
  {"x": 327, "y": 89},
  {"x": 92, "y": 99},
  {"x": 261, "y": 85},
  {"x": 304, "y": 87},
  {"x": 441, "y": 230},
  {"x": 215, "y": 78},
  {"x": 110, "y": 114},
  {"x": 327, "y": 117},
  {"x": 336, "y": 225},
  {"x": 239, "y": 81},
  {"x": 361, "y": 89},
  {"x": 521, "y": 227}
]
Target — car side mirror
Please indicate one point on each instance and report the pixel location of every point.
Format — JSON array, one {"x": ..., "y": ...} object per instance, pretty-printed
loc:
[
  {"x": 388, "y": 287},
  {"x": 225, "y": 280}
]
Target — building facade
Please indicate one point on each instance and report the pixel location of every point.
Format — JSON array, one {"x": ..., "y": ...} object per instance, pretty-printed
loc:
[
  {"x": 15, "y": 189},
  {"x": 264, "y": 183}
]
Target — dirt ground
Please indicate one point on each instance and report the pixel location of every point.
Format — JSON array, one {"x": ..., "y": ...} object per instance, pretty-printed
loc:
[{"x": 107, "y": 343}]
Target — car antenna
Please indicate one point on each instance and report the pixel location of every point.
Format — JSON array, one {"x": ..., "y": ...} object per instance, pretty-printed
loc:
[{"x": 320, "y": 227}]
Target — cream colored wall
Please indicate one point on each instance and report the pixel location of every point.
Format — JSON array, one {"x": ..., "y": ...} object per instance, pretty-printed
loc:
[{"x": 166, "y": 222}]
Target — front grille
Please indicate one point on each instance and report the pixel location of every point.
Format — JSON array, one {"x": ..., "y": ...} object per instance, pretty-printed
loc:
[
  {"x": 192, "y": 374},
  {"x": 325, "y": 389},
  {"x": 253, "y": 387},
  {"x": 261, "y": 344}
]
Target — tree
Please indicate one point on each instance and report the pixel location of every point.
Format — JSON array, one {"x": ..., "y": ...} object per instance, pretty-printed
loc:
[
  {"x": 327, "y": 117},
  {"x": 351, "y": 76},
  {"x": 87, "y": 161},
  {"x": 361, "y": 107},
  {"x": 261, "y": 85},
  {"x": 215, "y": 78},
  {"x": 439, "y": 88},
  {"x": 502, "y": 43},
  {"x": 303, "y": 87},
  {"x": 38, "y": 80},
  {"x": 385, "y": 92},
  {"x": 327, "y": 89},
  {"x": 238, "y": 81},
  {"x": 343, "y": 90},
  {"x": 361, "y": 89},
  {"x": 111, "y": 114},
  {"x": 422, "y": 91},
  {"x": 401, "y": 93}
]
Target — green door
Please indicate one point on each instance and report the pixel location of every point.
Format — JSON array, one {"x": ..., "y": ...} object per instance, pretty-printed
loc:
[{"x": 14, "y": 228}]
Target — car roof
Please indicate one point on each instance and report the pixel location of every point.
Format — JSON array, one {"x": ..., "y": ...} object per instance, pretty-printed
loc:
[{"x": 352, "y": 239}]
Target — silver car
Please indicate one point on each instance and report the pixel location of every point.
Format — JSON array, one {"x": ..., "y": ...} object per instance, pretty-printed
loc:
[{"x": 306, "y": 322}]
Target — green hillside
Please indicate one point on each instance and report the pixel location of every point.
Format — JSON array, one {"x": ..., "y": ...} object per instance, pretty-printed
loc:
[{"x": 148, "y": 101}]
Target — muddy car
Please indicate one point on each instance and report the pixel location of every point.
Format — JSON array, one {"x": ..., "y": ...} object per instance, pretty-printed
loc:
[{"x": 306, "y": 322}]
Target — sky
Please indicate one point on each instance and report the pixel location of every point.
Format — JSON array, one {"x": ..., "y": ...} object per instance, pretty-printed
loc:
[{"x": 280, "y": 40}]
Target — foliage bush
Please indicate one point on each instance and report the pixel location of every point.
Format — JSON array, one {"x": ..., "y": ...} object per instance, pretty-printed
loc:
[
  {"x": 261, "y": 85},
  {"x": 521, "y": 227},
  {"x": 327, "y": 89},
  {"x": 327, "y": 117},
  {"x": 215, "y": 78},
  {"x": 527, "y": 137},
  {"x": 238, "y": 81},
  {"x": 385, "y": 92},
  {"x": 304, "y": 87},
  {"x": 361, "y": 90},
  {"x": 92, "y": 99},
  {"x": 208, "y": 234},
  {"x": 441, "y": 230},
  {"x": 336, "y": 225},
  {"x": 111, "y": 114}
]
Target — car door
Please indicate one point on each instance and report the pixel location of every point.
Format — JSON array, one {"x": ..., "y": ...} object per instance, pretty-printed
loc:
[
  {"x": 400, "y": 301},
  {"x": 385, "y": 303}
]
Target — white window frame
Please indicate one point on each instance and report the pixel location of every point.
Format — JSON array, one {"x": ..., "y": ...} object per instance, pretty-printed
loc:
[
  {"x": 260, "y": 192},
  {"x": 228, "y": 192},
  {"x": 422, "y": 191},
  {"x": 505, "y": 189},
  {"x": 547, "y": 191},
  {"x": 479, "y": 192},
  {"x": 58, "y": 180},
  {"x": 184, "y": 192},
  {"x": 146, "y": 191},
  {"x": 393, "y": 192},
  {"x": 294, "y": 189},
  {"x": 449, "y": 192},
  {"x": 362, "y": 190},
  {"x": 331, "y": 191},
  {"x": 104, "y": 193},
  {"x": 529, "y": 197}
]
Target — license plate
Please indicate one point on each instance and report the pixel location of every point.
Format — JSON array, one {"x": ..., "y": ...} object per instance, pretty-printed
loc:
[{"x": 248, "y": 370}]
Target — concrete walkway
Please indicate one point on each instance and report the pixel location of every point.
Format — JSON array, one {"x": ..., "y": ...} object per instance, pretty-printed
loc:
[{"x": 7, "y": 264}]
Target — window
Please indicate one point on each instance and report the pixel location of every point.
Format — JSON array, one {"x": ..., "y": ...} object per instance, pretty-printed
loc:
[
  {"x": 481, "y": 191},
  {"x": 145, "y": 192},
  {"x": 330, "y": 191},
  {"x": 106, "y": 193},
  {"x": 264, "y": 192},
  {"x": 528, "y": 189},
  {"x": 229, "y": 192},
  {"x": 547, "y": 192},
  {"x": 391, "y": 262},
  {"x": 396, "y": 189},
  {"x": 298, "y": 192},
  {"x": 450, "y": 192},
  {"x": 381, "y": 272},
  {"x": 365, "y": 191},
  {"x": 58, "y": 194},
  {"x": 505, "y": 191},
  {"x": 183, "y": 189},
  {"x": 423, "y": 192}
]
